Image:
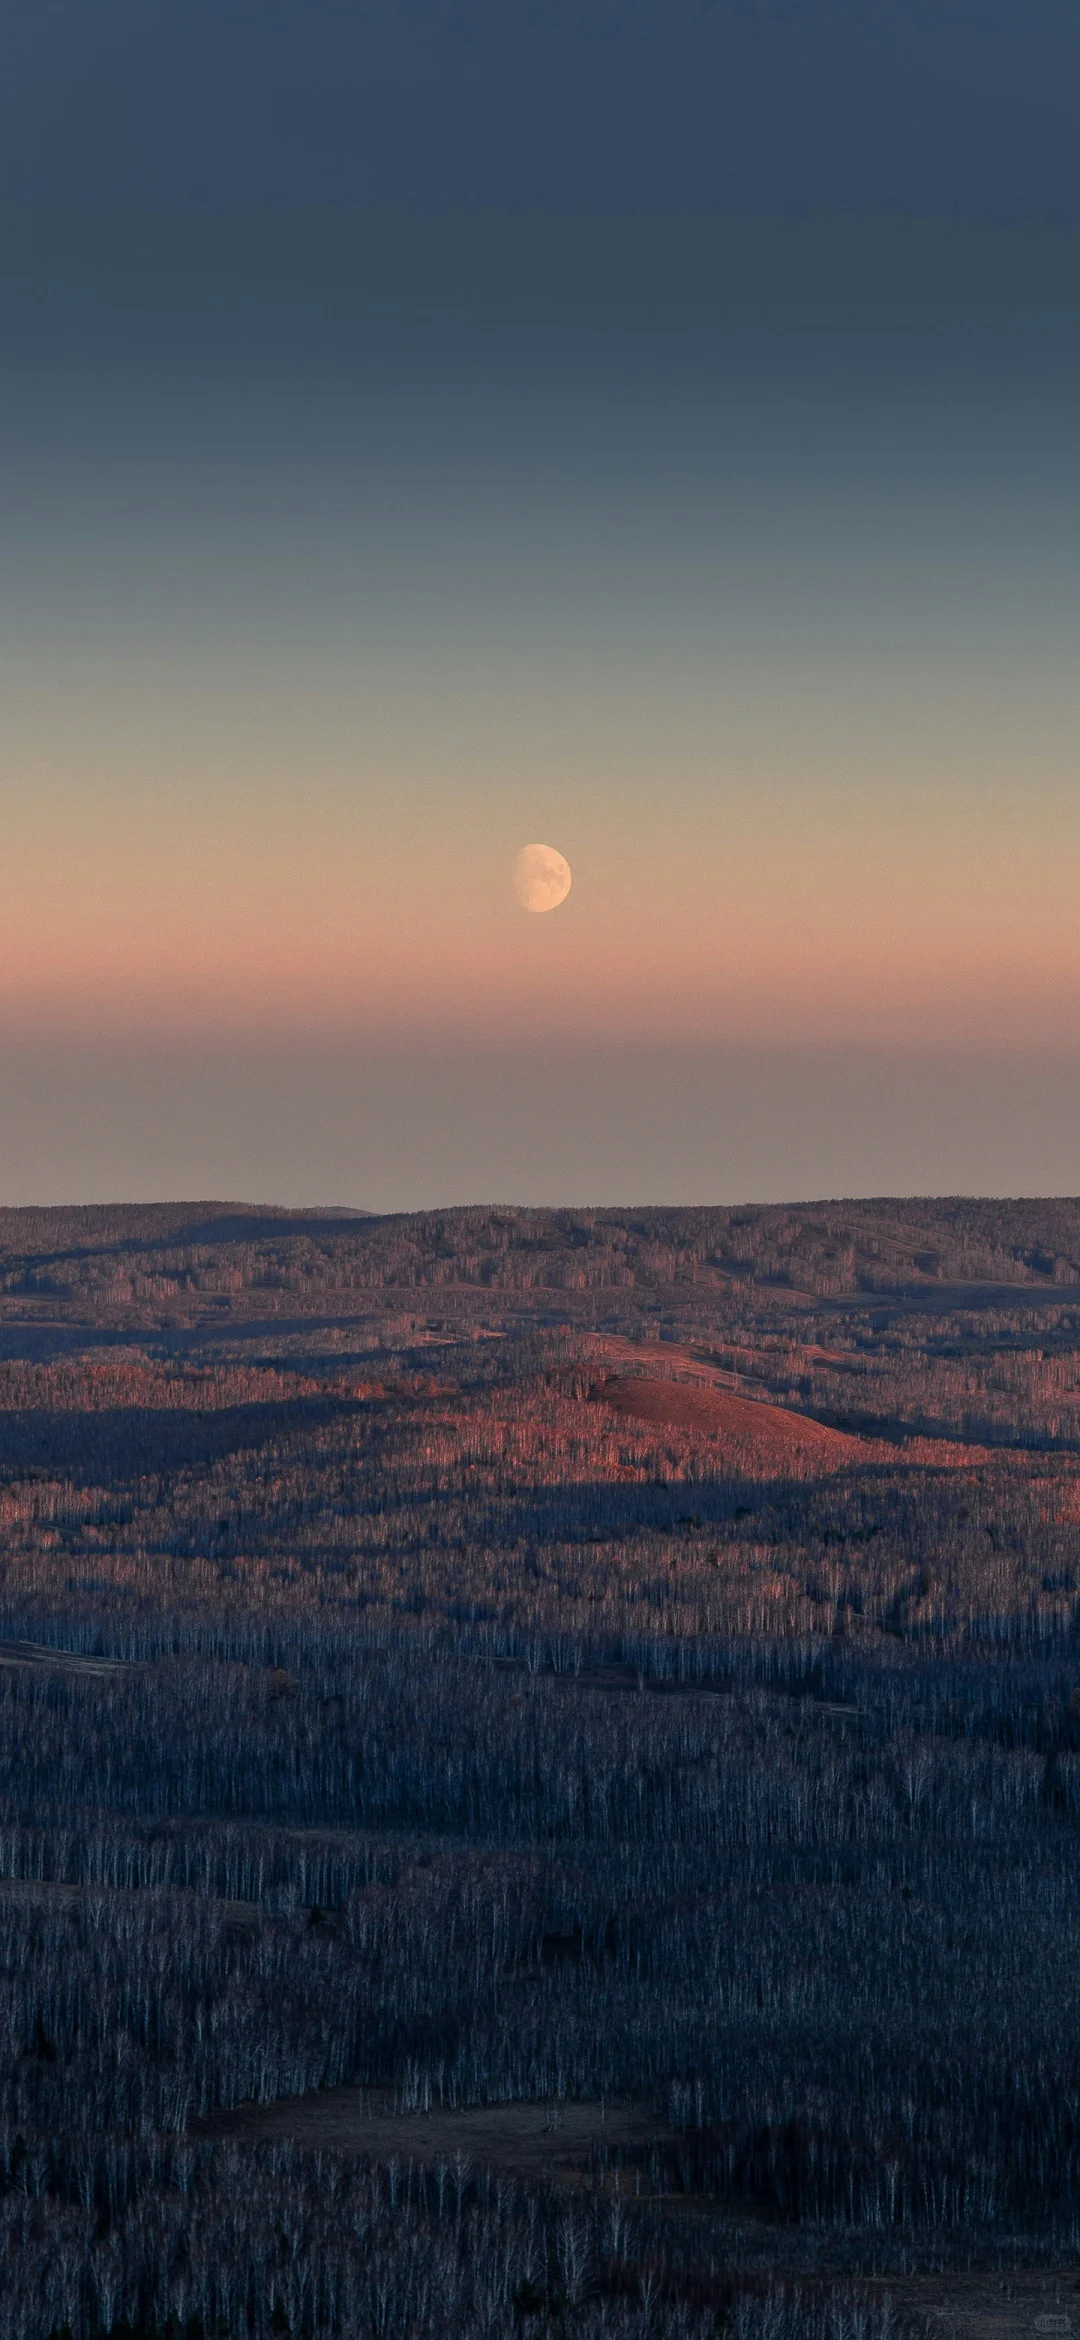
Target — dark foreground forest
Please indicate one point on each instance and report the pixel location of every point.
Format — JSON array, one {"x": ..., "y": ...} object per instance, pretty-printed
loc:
[{"x": 540, "y": 1772}]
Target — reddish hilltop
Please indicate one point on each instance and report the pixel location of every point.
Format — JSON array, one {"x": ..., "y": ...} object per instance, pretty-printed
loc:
[{"x": 757, "y": 1438}]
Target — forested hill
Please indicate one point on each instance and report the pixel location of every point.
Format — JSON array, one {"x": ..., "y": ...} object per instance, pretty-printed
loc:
[{"x": 165, "y": 1251}]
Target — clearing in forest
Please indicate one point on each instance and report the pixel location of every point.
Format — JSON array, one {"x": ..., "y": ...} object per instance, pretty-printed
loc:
[{"x": 552, "y": 2140}]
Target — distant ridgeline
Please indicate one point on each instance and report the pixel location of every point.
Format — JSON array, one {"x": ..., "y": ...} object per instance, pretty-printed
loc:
[{"x": 823, "y": 1247}]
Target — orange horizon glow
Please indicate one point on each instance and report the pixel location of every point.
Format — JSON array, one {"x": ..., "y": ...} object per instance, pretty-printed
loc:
[
  {"x": 768, "y": 978},
  {"x": 768, "y": 917}
]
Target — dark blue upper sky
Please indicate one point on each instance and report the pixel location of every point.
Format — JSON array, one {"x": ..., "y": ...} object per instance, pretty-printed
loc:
[{"x": 964, "y": 108}]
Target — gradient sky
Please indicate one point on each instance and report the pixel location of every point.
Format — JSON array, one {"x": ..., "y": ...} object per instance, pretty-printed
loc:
[{"x": 425, "y": 429}]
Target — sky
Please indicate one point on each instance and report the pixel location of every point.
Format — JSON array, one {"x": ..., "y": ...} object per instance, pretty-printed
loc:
[{"x": 653, "y": 432}]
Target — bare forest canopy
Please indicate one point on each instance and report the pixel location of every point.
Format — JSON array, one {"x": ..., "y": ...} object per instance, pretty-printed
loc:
[{"x": 540, "y": 1778}]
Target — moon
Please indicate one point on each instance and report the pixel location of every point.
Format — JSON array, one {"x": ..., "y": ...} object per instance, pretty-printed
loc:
[{"x": 541, "y": 877}]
